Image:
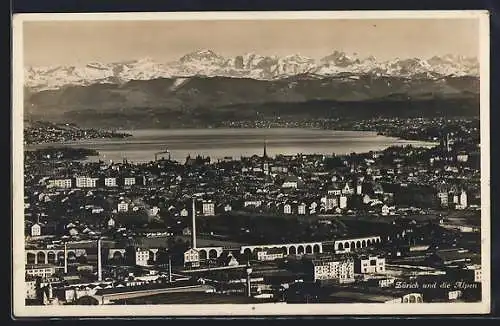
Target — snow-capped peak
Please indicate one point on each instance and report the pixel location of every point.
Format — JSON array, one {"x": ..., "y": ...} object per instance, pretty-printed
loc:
[{"x": 249, "y": 65}]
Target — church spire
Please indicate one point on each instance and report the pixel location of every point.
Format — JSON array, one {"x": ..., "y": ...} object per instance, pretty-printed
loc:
[{"x": 265, "y": 148}]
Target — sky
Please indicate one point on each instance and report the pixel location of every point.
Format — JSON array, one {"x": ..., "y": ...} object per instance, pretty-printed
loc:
[{"x": 48, "y": 43}]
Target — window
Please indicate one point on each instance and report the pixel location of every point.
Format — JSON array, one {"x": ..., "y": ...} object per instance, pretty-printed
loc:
[{"x": 373, "y": 262}]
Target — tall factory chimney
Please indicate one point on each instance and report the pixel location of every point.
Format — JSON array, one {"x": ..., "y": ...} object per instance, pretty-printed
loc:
[
  {"x": 169, "y": 270},
  {"x": 65, "y": 258},
  {"x": 249, "y": 285},
  {"x": 99, "y": 261},
  {"x": 193, "y": 233}
]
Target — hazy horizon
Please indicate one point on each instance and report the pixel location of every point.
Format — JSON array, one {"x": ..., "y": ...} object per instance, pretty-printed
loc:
[{"x": 48, "y": 43}]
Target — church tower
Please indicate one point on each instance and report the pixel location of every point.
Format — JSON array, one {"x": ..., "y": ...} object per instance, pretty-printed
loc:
[{"x": 265, "y": 149}]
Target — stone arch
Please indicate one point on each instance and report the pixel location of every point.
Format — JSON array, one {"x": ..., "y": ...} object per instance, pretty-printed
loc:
[
  {"x": 341, "y": 246},
  {"x": 71, "y": 255},
  {"x": 358, "y": 244},
  {"x": 377, "y": 240},
  {"x": 87, "y": 300},
  {"x": 285, "y": 250},
  {"x": 82, "y": 259},
  {"x": 30, "y": 258},
  {"x": 419, "y": 299},
  {"x": 369, "y": 242},
  {"x": 203, "y": 254},
  {"x": 300, "y": 249},
  {"x": 51, "y": 257},
  {"x": 212, "y": 253},
  {"x": 316, "y": 248},
  {"x": 247, "y": 252},
  {"x": 346, "y": 244},
  {"x": 309, "y": 249},
  {"x": 413, "y": 298},
  {"x": 353, "y": 245},
  {"x": 40, "y": 256},
  {"x": 363, "y": 243},
  {"x": 405, "y": 299},
  {"x": 265, "y": 249},
  {"x": 117, "y": 255},
  {"x": 293, "y": 250},
  {"x": 60, "y": 257}
]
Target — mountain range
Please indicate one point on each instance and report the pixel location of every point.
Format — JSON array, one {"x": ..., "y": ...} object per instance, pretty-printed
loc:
[
  {"x": 250, "y": 65},
  {"x": 204, "y": 86}
]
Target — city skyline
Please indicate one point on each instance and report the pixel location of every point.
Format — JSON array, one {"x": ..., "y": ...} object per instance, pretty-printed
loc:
[
  {"x": 251, "y": 185},
  {"x": 49, "y": 43}
]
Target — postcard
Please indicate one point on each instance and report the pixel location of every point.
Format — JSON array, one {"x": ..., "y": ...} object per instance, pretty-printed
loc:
[{"x": 251, "y": 164}]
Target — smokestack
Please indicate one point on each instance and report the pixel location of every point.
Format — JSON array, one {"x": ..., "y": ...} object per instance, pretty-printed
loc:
[
  {"x": 99, "y": 261},
  {"x": 65, "y": 258},
  {"x": 51, "y": 292},
  {"x": 249, "y": 271},
  {"x": 169, "y": 270},
  {"x": 193, "y": 233}
]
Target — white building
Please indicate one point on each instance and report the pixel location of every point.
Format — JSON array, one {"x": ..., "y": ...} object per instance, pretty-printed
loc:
[
  {"x": 462, "y": 200},
  {"x": 61, "y": 183},
  {"x": 254, "y": 203},
  {"x": 31, "y": 289},
  {"x": 359, "y": 188},
  {"x": 290, "y": 182},
  {"x": 287, "y": 209},
  {"x": 462, "y": 157},
  {"x": 335, "y": 192},
  {"x": 385, "y": 210},
  {"x": 330, "y": 202},
  {"x": 369, "y": 265},
  {"x": 302, "y": 209},
  {"x": 110, "y": 182},
  {"x": 338, "y": 269},
  {"x": 343, "y": 202},
  {"x": 476, "y": 271},
  {"x": 312, "y": 208},
  {"x": 208, "y": 208},
  {"x": 122, "y": 207},
  {"x": 42, "y": 271},
  {"x": 270, "y": 254},
  {"x": 86, "y": 182},
  {"x": 191, "y": 258},
  {"x": 142, "y": 257},
  {"x": 36, "y": 230},
  {"x": 111, "y": 223},
  {"x": 347, "y": 190},
  {"x": 129, "y": 181},
  {"x": 443, "y": 198}
]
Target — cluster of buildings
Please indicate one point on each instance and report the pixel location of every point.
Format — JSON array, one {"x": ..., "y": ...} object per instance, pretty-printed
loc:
[
  {"x": 102, "y": 232},
  {"x": 396, "y": 181},
  {"x": 38, "y": 132}
]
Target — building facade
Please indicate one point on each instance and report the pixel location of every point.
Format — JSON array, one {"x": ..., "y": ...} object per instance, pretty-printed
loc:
[
  {"x": 339, "y": 269},
  {"x": 208, "y": 208},
  {"x": 369, "y": 265},
  {"x": 192, "y": 258}
]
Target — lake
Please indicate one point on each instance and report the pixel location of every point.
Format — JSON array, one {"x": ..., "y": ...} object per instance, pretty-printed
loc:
[{"x": 220, "y": 143}]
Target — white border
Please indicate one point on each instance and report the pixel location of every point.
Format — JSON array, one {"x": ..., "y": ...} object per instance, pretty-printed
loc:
[{"x": 21, "y": 310}]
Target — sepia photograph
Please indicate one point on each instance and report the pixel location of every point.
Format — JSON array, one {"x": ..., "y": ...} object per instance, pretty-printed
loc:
[{"x": 251, "y": 163}]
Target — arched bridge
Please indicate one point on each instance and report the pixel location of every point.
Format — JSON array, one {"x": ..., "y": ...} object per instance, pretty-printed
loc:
[
  {"x": 348, "y": 245},
  {"x": 288, "y": 248},
  {"x": 55, "y": 256},
  {"x": 210, "y": 252}
]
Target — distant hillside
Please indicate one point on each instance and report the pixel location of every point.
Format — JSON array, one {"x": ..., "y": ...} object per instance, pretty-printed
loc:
[{"x": 168, "y": 102}]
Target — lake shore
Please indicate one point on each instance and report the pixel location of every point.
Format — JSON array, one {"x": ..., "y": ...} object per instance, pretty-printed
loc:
[{"x": 232, "y": 142}]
